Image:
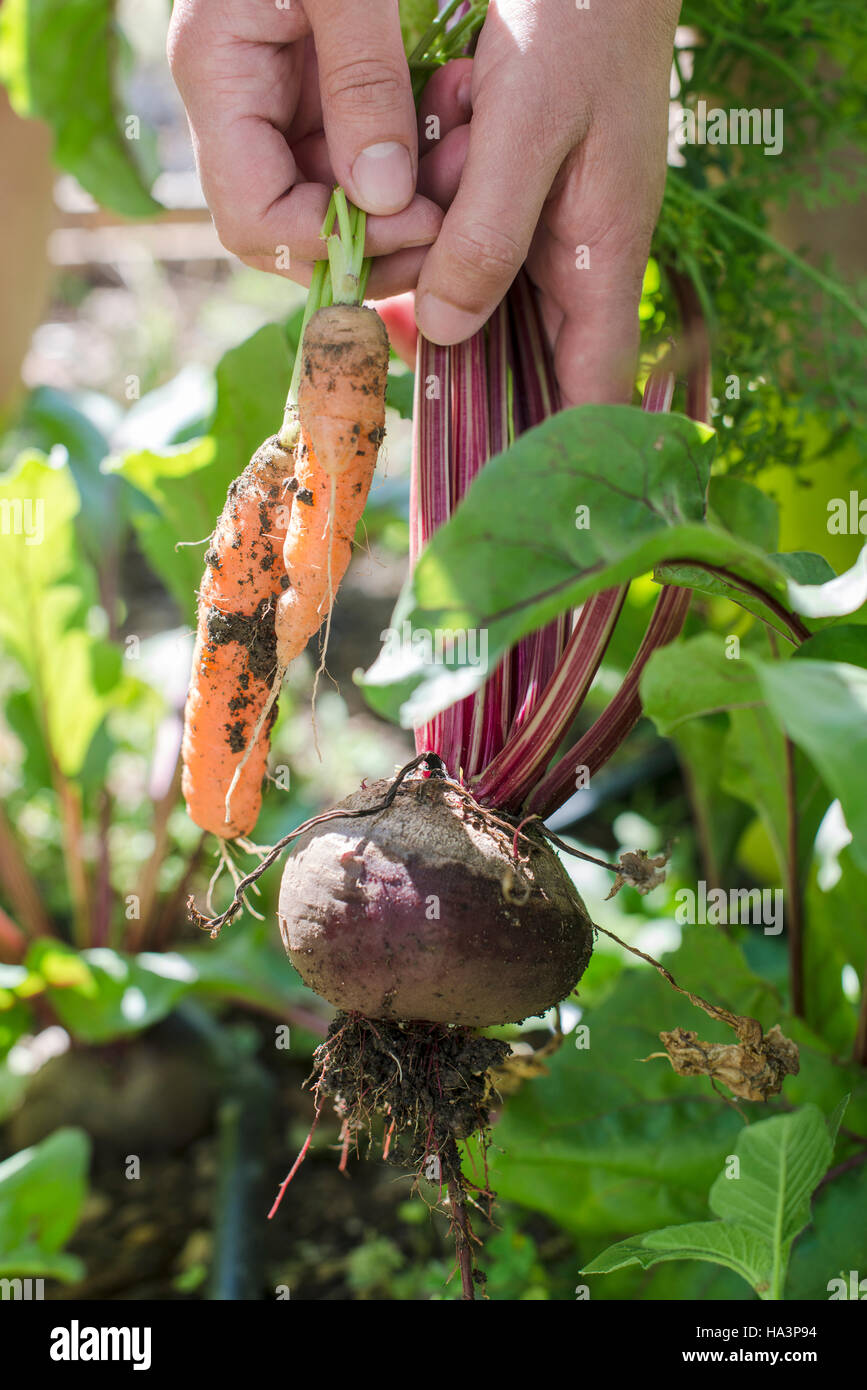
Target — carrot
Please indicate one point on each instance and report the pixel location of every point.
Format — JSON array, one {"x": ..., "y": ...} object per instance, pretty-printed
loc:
[
  {"x": 341, "y": 413},
  {"x": 339, "y": 421},
  {"x": 235, "y": 654}
]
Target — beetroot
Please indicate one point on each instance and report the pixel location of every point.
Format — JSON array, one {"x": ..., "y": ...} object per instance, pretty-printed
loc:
[{"x": 420, "y": 911}]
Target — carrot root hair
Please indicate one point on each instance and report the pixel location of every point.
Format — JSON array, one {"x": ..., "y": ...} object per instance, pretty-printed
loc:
[{"x": 323, "y": 651}]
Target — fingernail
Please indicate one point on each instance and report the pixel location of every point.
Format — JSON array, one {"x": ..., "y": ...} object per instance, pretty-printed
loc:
[
  {"x": 382, "y": 175},
  {"x": 464, "y": 94},
  {"x": 442, "y": 322}
]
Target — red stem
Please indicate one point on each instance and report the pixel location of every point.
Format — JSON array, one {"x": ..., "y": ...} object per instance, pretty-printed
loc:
[
  {"x": 619, "y": 717},
  {"x": 509, "y": 777}
]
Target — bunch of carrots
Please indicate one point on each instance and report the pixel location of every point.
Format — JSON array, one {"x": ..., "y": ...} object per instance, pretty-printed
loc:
[{"x": 284, "y": 539}]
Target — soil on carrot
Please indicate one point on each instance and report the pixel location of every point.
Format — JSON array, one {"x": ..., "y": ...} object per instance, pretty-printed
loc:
[{"x": 254, "y": 631}]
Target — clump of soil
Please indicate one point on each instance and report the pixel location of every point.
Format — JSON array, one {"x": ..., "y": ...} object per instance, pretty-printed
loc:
[
  {"x": 425, "y": 1086},
  {"x": 428, "y": 1081}
]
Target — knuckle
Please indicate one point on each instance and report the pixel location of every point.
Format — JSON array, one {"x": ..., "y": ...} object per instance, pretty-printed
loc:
[
  {"x": 234, "y": 235},
  {"x": 365, "y": 82},
  {"x": 484, "y": 254},
  {"x": 181, "y": 44}
]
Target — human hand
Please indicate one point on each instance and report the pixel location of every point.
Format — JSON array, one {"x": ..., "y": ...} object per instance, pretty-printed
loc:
[
  {"x": 276, "y": 123},
  {"x": 566, "y": 148}
]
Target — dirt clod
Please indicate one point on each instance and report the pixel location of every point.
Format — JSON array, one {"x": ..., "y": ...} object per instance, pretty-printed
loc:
[{"x": 428, "y": 1082}]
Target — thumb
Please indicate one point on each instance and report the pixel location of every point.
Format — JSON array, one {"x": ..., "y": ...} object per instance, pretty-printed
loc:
[
  {"x": 367, "y": 107},
  {"x": 487, "y": 231}
]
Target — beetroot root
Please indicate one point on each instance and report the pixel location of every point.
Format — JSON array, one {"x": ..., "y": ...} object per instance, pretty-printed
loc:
[{"x": 420, "y": 912}]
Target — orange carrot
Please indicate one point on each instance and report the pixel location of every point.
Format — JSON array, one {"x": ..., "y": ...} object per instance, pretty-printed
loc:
[
  {"x": 235, "y": 653},
  {"x": 341, "y": 413},
  {"x": 340, "y": 426}
]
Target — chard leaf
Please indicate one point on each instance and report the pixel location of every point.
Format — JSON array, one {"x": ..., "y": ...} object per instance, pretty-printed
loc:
[
  {"x": 723, "y": 1243},
  {"x": 74, "y": 676},
  {"x": 822, "y": 705},
  {"x": 780, "y": 1163},
  {"x": 42, "y": 1190},
  {"x": 698, "y": 679},
  {"x": 58, "y": 58},
  {"x": 763, "y": 1201},
  {"x": 590, "y": 498},
  {"x": 745, "y": 510}
]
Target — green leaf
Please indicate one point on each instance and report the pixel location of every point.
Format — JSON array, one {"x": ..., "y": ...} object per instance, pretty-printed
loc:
[
  {"x": 843, "y": 642},
  {"x": 100, "y": 994},
  {"x": 834, "y": 1244},
  {"x": 723, "y": 1243},
  {"x": 15, "y": 1017},
  {"x": 77, "y": 423},
  {"x": 811, "y": 572},
  {"x": 57, "y": 57},
  {"x": 696, "y": 678},
  {"x": 720, "y": 818},
  {"x": 186, "y": 486},
  {"x": 822, "y": 705},
  {"x": 781, "y": 1161},
  {"x": 399, "y": 391},
  {"x": 808, "y": 569},
  {"x": 754, "y": 768},
  {"x": 835, "y": 1119},
  {"x": 186, "y": 492},
  {"x": 516, "y": 552},
  {"x": 75, "y": 677},
  {"x": 42, "y": 1190},
  {"x": 805, "y": 567},
  {"x": 763, "y": 1202},
  {"x": 744, "y": 510},
  {"x": 607, "y": 1143},
  {"x": 835, "y": 938}
]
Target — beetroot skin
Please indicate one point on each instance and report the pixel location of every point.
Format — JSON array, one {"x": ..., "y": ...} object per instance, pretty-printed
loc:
[{"x": 419, "y": 912}]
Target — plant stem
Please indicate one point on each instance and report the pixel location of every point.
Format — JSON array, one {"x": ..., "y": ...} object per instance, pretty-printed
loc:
[
  {"x": 463, "y": 1248},
  {"x": 460, "y": 1221},
  {"x": 693, "y": 318},
  {"x": 797, "y": 632},
  {"x": 795, "y": 912},
  {"x": 339, "y": 278},
  {"x": 172, "y": 915},
  {"x": 146, "y": 889},
  {"x": 69, "y": 799},
  {"x": 618, "y": 718},
  {"x": 15, "y": 877},
  {"x": 508, "y": 778},
  {"x": 13, "y": 942},
  {"x": 102, "y": 894}
]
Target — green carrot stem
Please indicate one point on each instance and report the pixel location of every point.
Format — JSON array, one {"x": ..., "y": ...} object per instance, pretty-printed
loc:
[{"x": 338, "y": 278}]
